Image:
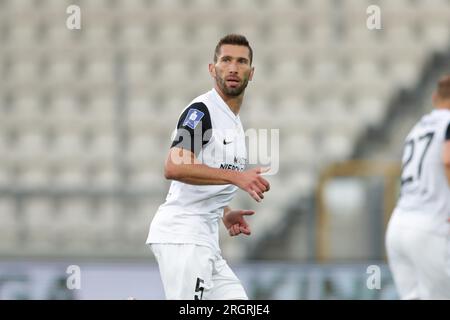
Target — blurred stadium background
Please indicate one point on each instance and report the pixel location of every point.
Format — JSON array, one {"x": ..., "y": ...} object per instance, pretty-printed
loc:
[{"x": 86, "y": 117}]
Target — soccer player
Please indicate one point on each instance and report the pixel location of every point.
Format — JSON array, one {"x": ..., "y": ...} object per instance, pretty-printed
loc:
[
  {"x": 207, "y": 165},
  {"x": 418, "y": 234}
]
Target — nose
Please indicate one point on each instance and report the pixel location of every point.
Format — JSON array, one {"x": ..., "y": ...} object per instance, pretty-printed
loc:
[{"x": 233, "y": 68}]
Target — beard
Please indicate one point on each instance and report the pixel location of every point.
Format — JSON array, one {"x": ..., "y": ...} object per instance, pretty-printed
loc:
[{"x": 232, "y": 92}]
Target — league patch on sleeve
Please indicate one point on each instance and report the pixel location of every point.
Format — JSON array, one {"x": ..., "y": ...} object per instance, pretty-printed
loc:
[{"x": 193, "y": 118}]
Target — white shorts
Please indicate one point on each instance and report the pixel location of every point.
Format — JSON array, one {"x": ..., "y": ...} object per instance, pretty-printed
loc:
[
  {"x": 193, "y": 272},
  {"x": 419, "y": 261}
]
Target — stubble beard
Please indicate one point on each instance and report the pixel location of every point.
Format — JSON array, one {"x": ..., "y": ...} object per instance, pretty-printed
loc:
[{"x": 232, "y": 92}]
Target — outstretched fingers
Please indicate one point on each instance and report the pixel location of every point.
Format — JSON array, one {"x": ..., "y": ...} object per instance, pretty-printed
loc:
[
  {"x": 234, "y": 230},
  {"x": 262, "y": 170},
  {"x": 245, "y": 230},
  {"x": 247, "y": 212},
  {"x": 265, "y": 183}
]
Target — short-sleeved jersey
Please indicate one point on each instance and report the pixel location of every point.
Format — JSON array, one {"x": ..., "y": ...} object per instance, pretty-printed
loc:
[
  {"x": 191, "y": 213},
  {"x": 425, "y": 191}
]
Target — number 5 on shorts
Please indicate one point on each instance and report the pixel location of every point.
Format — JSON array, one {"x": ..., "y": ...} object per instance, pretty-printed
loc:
[{"x": 199, "y": 288}]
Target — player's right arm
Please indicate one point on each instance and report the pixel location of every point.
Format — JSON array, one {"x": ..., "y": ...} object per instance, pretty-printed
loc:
[
  {"x": 193, "y": 132},
  {"x": 446, "y": 154},
  {"x": 182, "y": 165}
]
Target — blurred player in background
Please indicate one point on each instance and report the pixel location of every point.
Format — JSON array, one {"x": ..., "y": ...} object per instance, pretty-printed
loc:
[
  {"x": 418, "y": 235},
  {"x": 206, "y": 163}
]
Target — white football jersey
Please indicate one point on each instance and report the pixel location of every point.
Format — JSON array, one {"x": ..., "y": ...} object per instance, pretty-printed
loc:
[
  {"x": 425, "y": 192},
  {"x": 191, "y": 213}
]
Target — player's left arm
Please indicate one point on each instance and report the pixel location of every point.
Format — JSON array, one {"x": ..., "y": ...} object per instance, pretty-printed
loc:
[
  {"x": 234, "y": 221},
  {"x": 446, "y": 154}
]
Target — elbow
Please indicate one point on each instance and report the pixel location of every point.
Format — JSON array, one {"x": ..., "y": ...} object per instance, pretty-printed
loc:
[{"x": 170, "y": 172}]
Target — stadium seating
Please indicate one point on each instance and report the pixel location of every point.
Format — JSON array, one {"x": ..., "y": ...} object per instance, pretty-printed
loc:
[{"x": 92, "y": 110}]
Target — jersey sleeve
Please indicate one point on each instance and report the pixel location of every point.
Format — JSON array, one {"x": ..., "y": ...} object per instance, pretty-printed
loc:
[
  {"x": 447, "y": 132},
  {"x": 193, "y": 129}
]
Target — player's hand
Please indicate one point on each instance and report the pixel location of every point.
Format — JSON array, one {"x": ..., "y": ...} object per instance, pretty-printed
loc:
[
  {"x": 235, "y": 223},
  {"x": 253, "y": 183}
]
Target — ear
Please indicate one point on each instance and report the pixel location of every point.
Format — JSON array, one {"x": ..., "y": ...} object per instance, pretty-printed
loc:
[
  {"x": 212, "y": 70},
  {"x": 250, "y": 77},
  {"x": 434, "y": 98}
]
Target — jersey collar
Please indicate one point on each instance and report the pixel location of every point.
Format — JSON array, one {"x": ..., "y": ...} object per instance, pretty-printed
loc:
[{"x": 222, "y": 104}]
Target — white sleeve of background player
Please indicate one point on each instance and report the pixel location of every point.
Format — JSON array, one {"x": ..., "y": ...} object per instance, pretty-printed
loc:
[{"x": 446, "y": 154}]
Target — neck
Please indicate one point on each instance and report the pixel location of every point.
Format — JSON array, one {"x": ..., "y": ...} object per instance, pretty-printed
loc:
[
  {"x": 443, "y": 105},
  {"x": 234, "y": 103}
]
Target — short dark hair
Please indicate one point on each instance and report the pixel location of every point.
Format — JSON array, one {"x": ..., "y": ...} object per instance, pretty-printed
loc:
[
  {"x": 443, "y": 88},
  {"x": 234, "y": 39}
]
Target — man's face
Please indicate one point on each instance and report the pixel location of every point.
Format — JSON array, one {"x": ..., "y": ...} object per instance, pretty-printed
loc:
[{"x": 232, "y": 71}]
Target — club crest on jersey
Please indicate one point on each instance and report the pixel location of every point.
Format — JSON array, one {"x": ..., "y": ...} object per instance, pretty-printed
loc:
[{"x": 193, "y": 118}]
